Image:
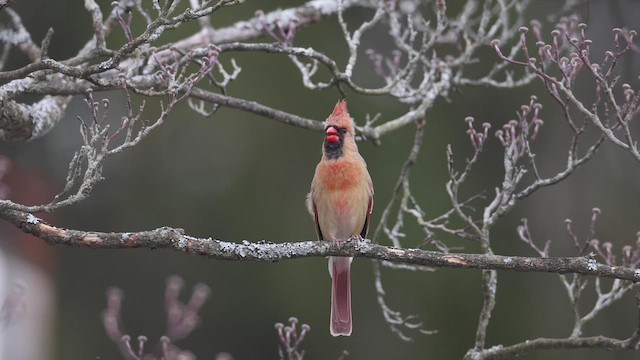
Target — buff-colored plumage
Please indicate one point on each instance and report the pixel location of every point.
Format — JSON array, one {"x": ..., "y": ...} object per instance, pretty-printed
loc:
[{"x": 340, "y": 201}]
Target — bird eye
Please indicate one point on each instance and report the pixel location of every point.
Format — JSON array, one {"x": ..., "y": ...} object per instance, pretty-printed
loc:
[{"x": 343, "y": 130}]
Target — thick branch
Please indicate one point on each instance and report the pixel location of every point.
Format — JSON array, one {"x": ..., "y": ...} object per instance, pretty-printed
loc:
[
  {"x": 175, "y": 239},
  {"x": 601, "y": 342},
  {"x": 306, "y": 14},
  {"x": 5, "y": 3},
  {"x": 20, "y": 122}
]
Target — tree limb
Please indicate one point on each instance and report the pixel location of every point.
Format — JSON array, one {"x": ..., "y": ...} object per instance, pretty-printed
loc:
[
  {"x": 592, "y": 342},
  {"x": 5, "y": 3},
  {"x": 175, "y": 239}
]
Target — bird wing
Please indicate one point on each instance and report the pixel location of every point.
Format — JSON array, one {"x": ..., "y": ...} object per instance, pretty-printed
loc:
[
  {"x": 365, "y": 227},
  {"x": 311, "y": 206}
]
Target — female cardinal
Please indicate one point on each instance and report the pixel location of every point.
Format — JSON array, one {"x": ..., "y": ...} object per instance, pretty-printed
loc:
[{"x": 340, "y": 202}]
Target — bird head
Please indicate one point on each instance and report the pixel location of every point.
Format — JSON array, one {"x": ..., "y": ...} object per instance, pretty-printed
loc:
[{"x": 339, "y": 129}]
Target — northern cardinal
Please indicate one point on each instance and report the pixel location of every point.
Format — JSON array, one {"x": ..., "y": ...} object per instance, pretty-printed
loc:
[{"x": 340, "y": 203}]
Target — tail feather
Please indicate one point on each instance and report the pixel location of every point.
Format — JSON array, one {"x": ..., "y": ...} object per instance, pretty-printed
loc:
[{"x": 340, "y": 269}]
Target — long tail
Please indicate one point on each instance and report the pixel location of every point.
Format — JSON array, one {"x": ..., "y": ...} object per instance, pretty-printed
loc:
[{"x": 340, "y": 270}]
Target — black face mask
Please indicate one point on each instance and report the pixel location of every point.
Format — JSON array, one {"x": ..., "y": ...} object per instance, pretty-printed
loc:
[{"x": 333, "y": 149}]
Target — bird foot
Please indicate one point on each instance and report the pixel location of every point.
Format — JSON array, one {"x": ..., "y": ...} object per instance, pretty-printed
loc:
[{"x": 355, "y": 238}]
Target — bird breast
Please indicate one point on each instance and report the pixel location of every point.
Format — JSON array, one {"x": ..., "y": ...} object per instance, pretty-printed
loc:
[{"x": 342, "y": 198}]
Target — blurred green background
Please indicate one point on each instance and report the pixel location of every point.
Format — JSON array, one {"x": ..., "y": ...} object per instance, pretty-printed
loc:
[{"x": 238, "y": 176}]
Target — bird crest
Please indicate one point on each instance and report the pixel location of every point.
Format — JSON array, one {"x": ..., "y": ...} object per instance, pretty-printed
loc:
[{"x": 340, "y": 116}]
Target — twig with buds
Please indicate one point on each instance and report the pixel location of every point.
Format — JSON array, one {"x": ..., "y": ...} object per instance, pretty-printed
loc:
[
  {"x": 291, "y": 340},
  {"x": 575, "y": 286},
  {"x": 181, "y": 321},
  {"x": 569, "y": 53}
]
